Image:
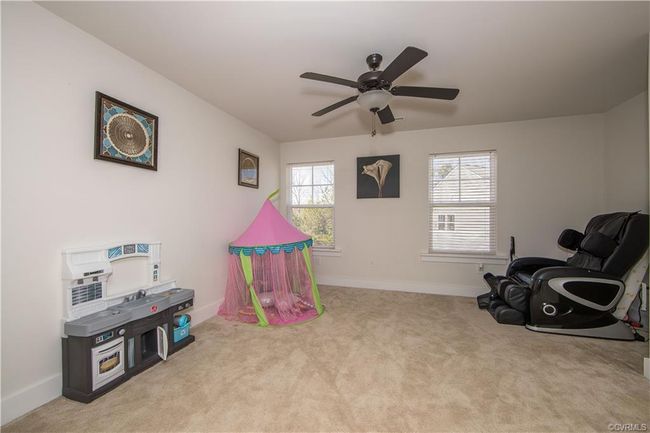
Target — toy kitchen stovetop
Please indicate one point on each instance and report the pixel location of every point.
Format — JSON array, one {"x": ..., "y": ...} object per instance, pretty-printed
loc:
[{"x": 107, "y": 340}]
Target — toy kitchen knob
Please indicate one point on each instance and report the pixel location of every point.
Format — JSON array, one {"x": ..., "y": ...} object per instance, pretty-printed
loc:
[{"x": 121, "y": 331}]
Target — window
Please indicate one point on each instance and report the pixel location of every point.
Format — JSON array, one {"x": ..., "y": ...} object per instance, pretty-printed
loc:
[
  {"x": 311, "y": 201},
  {"x": 462, "y": 203},
  {"x": 446, "y": 222}
]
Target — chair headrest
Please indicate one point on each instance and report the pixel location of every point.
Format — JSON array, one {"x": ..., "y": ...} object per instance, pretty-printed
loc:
[
  {"x": 632, "y": 242},
  {"x": 612, "y": 243},
  {"x": 570, "y": 239}
]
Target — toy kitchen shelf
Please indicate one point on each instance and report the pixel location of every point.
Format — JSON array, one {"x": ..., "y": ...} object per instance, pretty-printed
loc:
[{"x": 108, "y": 340}]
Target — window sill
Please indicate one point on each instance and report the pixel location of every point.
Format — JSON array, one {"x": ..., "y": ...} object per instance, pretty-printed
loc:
[
  {"x": 464, "y": 258},
  {"x": 326, "y": 252}
]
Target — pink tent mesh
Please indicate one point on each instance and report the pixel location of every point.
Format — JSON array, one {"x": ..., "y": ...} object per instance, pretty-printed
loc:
[{"x": 270, "y": 278}]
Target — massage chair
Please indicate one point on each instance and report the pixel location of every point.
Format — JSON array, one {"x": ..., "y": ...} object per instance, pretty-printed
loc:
[{"x": 586, "y": 295}]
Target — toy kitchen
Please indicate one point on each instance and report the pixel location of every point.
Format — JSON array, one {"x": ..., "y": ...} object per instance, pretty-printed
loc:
[{"x": 110, "y": 337}]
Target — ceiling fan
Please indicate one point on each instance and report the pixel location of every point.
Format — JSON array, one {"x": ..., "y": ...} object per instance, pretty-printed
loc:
[{"x": 375, "y": 91}]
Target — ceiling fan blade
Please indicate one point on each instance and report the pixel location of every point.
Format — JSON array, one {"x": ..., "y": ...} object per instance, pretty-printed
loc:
[
  {"x": 335, "y": 106},
  {"x": 405, "y": 61},
  {"x": 386, "y": 115},
  {"x": 329, "y": 79},
  {"x": 425, "y": 92}
]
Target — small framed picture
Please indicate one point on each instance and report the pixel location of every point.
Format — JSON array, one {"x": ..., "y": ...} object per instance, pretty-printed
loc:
[
  {"x": 248, "y": 169},
  {"x": 125, "y": 134}
]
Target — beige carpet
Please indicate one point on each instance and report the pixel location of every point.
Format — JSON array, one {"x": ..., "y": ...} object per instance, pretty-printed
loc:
[{"x": 375, "y": 361}]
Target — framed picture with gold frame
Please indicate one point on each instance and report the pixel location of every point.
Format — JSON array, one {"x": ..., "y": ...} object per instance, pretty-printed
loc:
[
  {"x": 248, "y": 169},
  {"x": 125, "y": 134}
]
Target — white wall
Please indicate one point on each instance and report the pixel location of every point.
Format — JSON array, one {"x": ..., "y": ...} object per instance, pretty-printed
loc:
[
  {"x": 55, "y": 195},
  {"x": 626, "y": 155},
  {"x": 646, "y": 361},
  {"x": 550, "y": 176}
]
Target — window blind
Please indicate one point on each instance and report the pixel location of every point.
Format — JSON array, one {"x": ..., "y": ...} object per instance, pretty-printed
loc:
[{"x": 462, "y": 203}]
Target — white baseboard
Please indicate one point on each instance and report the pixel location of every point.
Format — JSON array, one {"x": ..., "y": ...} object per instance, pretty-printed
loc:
[
  {"x": 37, "y": 394},
  {"x": 404, "y": 286},
  {"x": 204, "y": 312},
  {"x": 31, "y": 397}
]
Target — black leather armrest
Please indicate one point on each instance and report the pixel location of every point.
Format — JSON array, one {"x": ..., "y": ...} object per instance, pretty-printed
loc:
[
  {"x": 546, "y": 274},
  {"x": 532, "y": 264},
  {"x": 593, "y": 289}
]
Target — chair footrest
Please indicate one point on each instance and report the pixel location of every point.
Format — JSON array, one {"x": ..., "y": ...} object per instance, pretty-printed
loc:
[
  {"x": 516, "y": 295},
  {"x": 483, "y": 300},
  {"x": 507, "y": 315}
]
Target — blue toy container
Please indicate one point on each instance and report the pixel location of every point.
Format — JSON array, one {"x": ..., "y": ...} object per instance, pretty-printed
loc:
[{"x": 181, "y": 332}]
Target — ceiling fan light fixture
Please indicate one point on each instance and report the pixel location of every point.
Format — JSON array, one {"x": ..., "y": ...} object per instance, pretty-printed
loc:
[
  {"x": 374, "y": 100},
  {"x": 373, "y": 86}
]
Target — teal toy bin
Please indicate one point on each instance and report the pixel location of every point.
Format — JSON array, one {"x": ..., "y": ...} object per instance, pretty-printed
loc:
[{"x": 181, "y": 332}]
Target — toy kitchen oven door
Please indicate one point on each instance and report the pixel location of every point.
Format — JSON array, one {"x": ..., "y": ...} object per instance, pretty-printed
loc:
[
  {"x": 153, "y": 338},
  {"x": 107, "y": 361},
  {"x": 148, "y": 342}
]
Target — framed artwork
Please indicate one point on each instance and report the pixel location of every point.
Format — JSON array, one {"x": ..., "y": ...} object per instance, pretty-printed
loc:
[
  {"x": 125, "y": 134},
  {"x": 378, "y": 176},
  {"x": 248, "y": 169}
]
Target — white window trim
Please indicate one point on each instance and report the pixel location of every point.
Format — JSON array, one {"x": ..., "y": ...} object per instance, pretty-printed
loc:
[
  {"x": 486, "y": 259},
  {"x": 442, "y": 256},
  {"x": 327, "y": 251},
  {"x": 317, "y": 250}
]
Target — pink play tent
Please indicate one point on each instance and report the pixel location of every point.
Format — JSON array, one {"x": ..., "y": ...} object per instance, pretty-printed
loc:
[{"x": 270, "y": 278}]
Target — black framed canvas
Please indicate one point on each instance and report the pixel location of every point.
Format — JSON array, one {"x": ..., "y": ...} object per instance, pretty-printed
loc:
[
  {"x": 125, "y": 134},
  {"x": 248, "y": 169},
  {"x": 378, "y": 176}
]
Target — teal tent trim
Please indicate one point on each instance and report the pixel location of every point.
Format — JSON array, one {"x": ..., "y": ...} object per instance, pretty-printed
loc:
[{"x": 274, "y": 249}]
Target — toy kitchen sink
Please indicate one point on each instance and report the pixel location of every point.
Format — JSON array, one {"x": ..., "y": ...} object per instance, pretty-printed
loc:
[{"x": 109, "y": 339}]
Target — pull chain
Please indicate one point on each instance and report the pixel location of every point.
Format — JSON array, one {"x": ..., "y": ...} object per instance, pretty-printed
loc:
[{"x": 374, "y": 130}]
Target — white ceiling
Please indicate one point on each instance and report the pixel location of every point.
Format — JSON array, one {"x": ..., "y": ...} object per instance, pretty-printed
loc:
[{"x": 512, "y": 61}]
